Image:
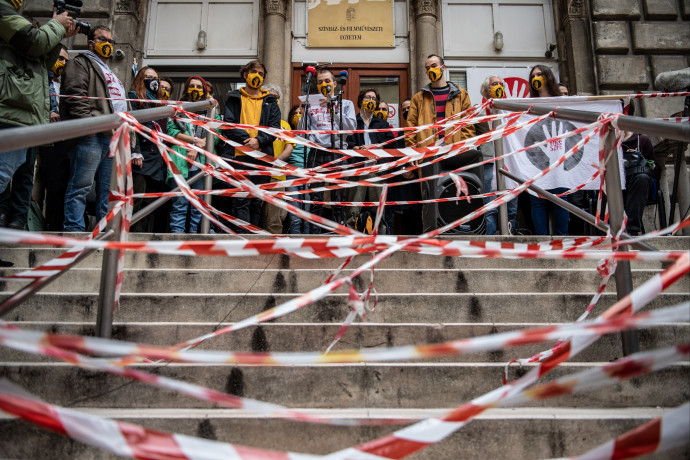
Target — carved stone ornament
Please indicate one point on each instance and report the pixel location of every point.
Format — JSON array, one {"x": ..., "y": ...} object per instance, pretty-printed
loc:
[
  {"x": 576, "y": 8},
  {"x": 426, "y": 7},
  {"x": 124, "y": 6},
  {"x": 275, "y": 7}
]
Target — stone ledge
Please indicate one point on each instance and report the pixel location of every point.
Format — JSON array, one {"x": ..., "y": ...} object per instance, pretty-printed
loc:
[
  {"x": 662, "y": 64},
  {"x": 611, "y": 37},
  {"x": 616, "y": 9},
  {"x": 660, "y": 9},
  {"x": 622, "y": 72},
  {"x": 661, "y": 38}
]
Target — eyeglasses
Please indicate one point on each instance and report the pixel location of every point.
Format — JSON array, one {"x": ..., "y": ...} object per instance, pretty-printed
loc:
[
  {"x": 369, "y": 98},
  {"x": 104, "y": 40}
]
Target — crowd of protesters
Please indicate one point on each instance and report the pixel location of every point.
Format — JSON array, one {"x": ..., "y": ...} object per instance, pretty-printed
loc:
[{"x": 75, "y": 174}]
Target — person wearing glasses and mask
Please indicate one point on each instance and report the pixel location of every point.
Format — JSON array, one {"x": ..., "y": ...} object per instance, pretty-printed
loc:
[
  {"x": 370, "y": 117},
  {"x": 88, "y": 74}
]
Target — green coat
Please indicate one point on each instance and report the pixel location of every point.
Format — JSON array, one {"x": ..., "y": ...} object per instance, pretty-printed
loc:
[
  {"x": 26, "y": 54},
  {"x": 173, "y": 130}
]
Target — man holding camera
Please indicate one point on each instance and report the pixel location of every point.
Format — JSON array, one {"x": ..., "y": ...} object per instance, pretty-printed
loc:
[
  {"x": 26, "y": 55},
  {"x": 88, "y": 74}
]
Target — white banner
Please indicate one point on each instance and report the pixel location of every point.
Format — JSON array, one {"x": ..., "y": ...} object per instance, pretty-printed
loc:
[{"x": 575, "y": 171}]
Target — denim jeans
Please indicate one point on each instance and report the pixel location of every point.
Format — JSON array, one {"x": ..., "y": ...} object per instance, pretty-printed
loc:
[
  {"x": 180, "y": 206},
  {"x": 540, "y": 218},
  {"x": 16, "y": 199},
  {"x": 90, "y": 163},
  {"x": 298, "y": 226},
  {"x": 9, "y": 162},
  {"x": 492, "y": 215}
]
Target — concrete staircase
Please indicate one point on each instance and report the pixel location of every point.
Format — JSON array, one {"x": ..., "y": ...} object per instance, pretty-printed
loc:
[{"x": 422, "y": 299}]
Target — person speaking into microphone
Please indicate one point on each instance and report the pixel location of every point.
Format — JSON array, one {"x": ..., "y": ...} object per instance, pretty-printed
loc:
[{"x": 325, "y": 117}]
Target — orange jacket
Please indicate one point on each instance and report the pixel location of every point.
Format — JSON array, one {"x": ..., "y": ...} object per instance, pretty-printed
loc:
[{"x": 423, "y": 112}]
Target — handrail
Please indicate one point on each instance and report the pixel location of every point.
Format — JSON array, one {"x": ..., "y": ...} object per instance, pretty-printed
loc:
[
  {"x": 29, "y": 136},
  {"x": 658, "y": 128},
  {"x": 32, "y": 288}
]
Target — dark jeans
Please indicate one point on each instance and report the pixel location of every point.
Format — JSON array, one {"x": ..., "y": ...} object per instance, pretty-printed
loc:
[
  {"x": 540, "y": 216},
  {"x": 55, "y": 174},
  {"x": 9, "y": 162},
  {"x": 637, "y": 193},
  {"x": 16, "y": 199},
  {"x": 249, "y": 209}
]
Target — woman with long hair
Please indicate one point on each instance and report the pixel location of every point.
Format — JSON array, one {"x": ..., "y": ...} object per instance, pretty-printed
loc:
[
  {"x": 148, "y": 171},
  {"x": 195, "y": 89},
  {"x": 543, "y": 83}
]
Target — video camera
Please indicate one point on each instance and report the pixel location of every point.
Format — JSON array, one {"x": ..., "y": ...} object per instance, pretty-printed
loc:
[{"x": 75, "y": 6}]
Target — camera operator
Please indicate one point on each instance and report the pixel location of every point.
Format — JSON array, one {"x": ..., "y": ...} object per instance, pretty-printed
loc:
[
  {"x": 88, "y": 74},
  {"x": 26, "y": 55}
]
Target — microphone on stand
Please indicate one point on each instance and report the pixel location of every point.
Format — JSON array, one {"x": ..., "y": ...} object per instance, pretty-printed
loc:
[
  {"x": 343, "y": 77},
  {"x": 310, "y": 71}
]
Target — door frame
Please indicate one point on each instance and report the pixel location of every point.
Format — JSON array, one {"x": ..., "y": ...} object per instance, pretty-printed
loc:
[{"x": 402, "y": 71}]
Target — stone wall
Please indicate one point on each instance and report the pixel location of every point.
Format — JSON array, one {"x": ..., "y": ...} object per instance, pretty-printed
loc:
[{"x": 634, "y": 41}]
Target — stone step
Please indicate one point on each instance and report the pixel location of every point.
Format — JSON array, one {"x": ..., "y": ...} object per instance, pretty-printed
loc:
[
  {"x": 25, "y": 258},
  {"x": 309, "y": 337},
  {"x": 379, "y": 385},
  {"x": 271, "y": 281},
  {"x": 526, "y": 433},
  {"x": 545, "y": 307}
]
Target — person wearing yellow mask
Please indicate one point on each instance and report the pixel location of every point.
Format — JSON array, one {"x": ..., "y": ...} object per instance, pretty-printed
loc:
[
  {"x": 327, "y": 116},
  {"x": 493, "y": 87},
  {"x": 368, "y": 104},
  {"x": 88, "y": 74},
  {"x": 53, "y": 166},
  {"x": 437, "y": 101},
  {"x": 249, "y": 105},
  {"x": 543, "y": 83},
  {"x": 195, "y": 89}
]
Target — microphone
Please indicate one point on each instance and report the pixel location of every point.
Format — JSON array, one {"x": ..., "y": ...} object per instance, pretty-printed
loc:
[
  {"x": 310, "y": 72},
  {"x": 343, "y": 77},
  {"x": 677, "y": 80}
]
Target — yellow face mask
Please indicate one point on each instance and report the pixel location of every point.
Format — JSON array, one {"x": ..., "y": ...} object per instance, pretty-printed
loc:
[
  {"x": 254, "y": 80},
  {"x": 381, "y": 114},
  {"x": 296, "y": 118},
  {"x": 434, "y": 73},
  {"x": 195, "y": 94},
  {"x": 497, "y": 92},
  {"x": 105, "y": 49},
  {"x": 325, "y": 89},
  {"x": 538, "y": 82},
  {"x": 369, "y": 105},
  {"x": 58, "y": 67},
  {"x": 165, "y": 94}
]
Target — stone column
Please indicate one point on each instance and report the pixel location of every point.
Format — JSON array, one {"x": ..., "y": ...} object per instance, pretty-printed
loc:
[
  {"x": 574, "y": 22},
  {"x": 274, "y": 54},
  {"x": 426, "y": 23}
]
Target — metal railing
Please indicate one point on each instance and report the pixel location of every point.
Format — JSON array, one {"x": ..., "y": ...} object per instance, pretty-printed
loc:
[
  {"x": 664, "y": 129},
  {"x": 15, "y": 138},
  {"x": 29, "y": 136}
]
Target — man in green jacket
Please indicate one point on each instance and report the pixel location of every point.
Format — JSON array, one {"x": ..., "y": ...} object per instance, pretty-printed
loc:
[{"x": 26, "y": 55}]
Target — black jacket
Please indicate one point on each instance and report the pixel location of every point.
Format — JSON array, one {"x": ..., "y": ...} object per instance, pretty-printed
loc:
[
  {"x": 270, "y": 117},
  {"x": 376, "y": 138}
]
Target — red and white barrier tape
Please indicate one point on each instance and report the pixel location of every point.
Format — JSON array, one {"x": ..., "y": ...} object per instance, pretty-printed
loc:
[{"x": 664, "y": 433}]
